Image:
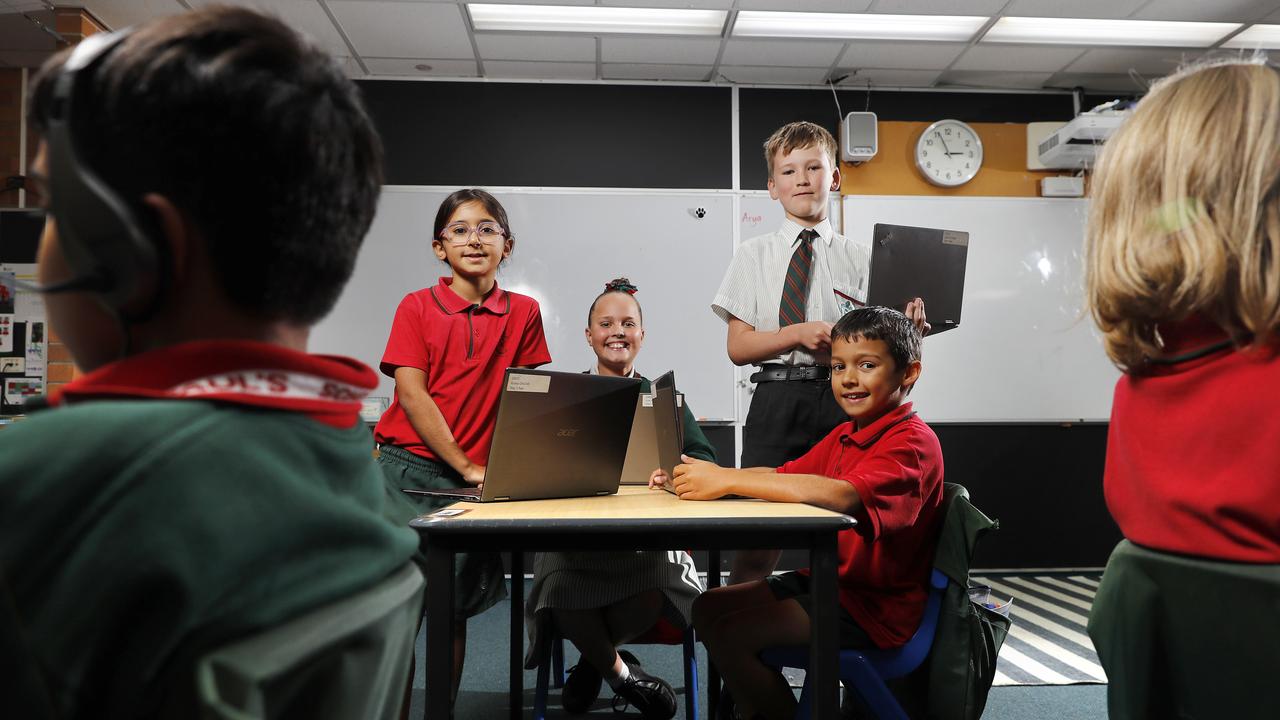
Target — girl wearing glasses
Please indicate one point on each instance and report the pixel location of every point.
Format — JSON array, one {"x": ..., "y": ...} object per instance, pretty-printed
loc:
[
  {"x": 600, "y": 600},
  {"x": 448, "y": 347}
]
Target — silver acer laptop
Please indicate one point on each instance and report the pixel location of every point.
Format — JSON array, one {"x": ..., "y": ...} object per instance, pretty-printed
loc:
[
  {"x": 643, "y": 454},
  {"x": 909, "y": 262},
  {"x": 557, "y": 435}
]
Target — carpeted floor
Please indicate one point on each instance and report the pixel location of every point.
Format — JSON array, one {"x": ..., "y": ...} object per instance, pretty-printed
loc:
[{"x": 1047, "y": 647}]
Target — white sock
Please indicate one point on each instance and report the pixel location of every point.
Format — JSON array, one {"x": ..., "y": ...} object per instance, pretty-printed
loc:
[{"x": 620, "y": 673}]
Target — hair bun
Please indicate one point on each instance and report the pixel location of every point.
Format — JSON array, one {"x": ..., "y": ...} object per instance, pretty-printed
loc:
[{"x": 620, "y": 285}]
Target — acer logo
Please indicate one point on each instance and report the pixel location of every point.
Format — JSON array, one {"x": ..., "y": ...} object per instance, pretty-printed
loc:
[{"x": 567, "y": 432}]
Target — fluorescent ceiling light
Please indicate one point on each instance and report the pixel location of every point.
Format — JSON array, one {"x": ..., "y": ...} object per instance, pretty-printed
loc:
[
  {"x": 1258, "y": 37},
  {"x": 595, "y": 19},
  {"x": 1078, "y": 31},
  {"x": 957, "y": 28}
]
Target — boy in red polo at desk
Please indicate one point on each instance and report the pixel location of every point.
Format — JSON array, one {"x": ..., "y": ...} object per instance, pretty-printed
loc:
[
  {"x": 448, "y": 348},
  {"x": 884, "y": 468}
]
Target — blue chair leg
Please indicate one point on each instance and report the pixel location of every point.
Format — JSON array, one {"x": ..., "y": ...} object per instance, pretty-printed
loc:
[
  {"x": 540, "y": 692},
  {"x": 557, "y": 661},
  {"x": 690, "y": 675}
]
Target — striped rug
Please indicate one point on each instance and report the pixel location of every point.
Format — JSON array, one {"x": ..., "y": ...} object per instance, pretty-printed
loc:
[{"x": 1049, "y": 643}]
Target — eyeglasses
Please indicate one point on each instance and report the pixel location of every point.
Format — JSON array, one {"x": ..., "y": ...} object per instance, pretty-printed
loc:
[{"x": 459, "y": 233}]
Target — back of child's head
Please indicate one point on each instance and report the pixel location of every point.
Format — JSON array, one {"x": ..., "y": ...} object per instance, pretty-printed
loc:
[
  {"x": 250, "y": 130},
  {"x": 458, "y": 198},
  {"x": 1185, "y": 211},
  {"x": 796, "y": 136},
  {"x": 617, "y": 285},
  {"x": 891, "y": 327}
]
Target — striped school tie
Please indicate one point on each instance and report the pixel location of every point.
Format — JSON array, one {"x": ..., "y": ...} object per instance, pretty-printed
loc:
[{"x": 795, "y": 288}]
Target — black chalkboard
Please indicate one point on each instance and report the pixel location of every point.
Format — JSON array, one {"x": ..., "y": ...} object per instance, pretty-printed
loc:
[{"x": 558, "y": 135}]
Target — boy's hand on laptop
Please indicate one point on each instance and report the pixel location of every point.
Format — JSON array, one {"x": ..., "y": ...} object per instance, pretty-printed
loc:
[
  {"x": 657, "y": 479},
  {"x": 700, "y": 480},
  {"x": 474, "y": 475},
  {"x": 915, "y": 313},
  {"x": 814, "y": 335}
]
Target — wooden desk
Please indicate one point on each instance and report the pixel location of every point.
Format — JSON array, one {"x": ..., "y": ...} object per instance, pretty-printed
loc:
[{"x": 635, "y": 519}]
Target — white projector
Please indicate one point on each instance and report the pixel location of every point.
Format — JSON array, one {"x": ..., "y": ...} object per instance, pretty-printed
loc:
[{"x": 1075, "y": 145}]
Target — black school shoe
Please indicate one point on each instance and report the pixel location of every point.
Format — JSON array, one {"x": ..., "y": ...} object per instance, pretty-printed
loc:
[
  {"x": 652, "y": 696},
  {"x": 581, "y": 688}
]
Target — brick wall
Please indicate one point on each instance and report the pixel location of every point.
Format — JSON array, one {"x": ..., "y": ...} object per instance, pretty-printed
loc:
[{"x": 11, "y": 109}]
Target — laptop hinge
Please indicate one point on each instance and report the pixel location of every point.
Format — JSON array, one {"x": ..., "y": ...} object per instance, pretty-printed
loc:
[
  {"x": 504, "y": 497},
  {"x": 603, "y": 492}
]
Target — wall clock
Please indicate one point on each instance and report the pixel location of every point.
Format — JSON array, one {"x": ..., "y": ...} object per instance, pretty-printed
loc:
[{"x": 949, "y": 153}]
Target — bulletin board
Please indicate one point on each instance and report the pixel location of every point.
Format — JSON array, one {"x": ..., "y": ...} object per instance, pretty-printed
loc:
[{"x": 23, "y": 327}]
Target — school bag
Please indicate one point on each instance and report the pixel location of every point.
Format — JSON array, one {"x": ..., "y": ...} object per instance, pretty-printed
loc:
[{"x": 962, "y": 662}]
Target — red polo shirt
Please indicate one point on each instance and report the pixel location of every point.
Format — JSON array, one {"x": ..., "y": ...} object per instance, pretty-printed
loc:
[
  {"x": 463, "y": 349},
  {"x": 895, "y": 464},
  {"x": 1193, "y": 450}
]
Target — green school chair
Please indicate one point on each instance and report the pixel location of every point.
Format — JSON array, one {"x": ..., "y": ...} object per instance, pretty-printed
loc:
[{"x": 348, "y": 659}]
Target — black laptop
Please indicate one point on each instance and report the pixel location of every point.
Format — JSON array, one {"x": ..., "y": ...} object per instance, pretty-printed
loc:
[
  {"x": 914, "y": 262},
  {"x": 557, "y": 435}
]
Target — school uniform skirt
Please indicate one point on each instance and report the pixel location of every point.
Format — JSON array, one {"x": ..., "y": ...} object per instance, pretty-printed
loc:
[{"x": 586, "y": 580}]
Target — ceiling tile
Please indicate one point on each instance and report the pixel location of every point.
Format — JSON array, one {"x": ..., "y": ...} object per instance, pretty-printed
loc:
[
  {"x": 1119, "y": 61},
  {"x": 894, "y": 78},
  {"x": 686, "y": 73},
  {"x": 543, "y": 70},
  {"x": 690, "y": 4},
  {"x": 783, "y": 53},
  {"x": 1120, "y": 84},
  {"x": 1003, "y": 80},
  {"x": 17, "y": 33},
  {"x": 988, "y": 8},
  {"x": 902, "y": 55},
  {"x": 1201, "y": 11},
  {"x": 1073, "y": 9},
  {"x": 518, "y": 2},
  {"x": 408, "y": 67},
  {"x": 403, "y": 29},
  {"x": 1017, "y": 58},
  {"x": 772, "y": 75},
  {"x": 690, "y": 51},
  {"x": 848, "y": 6},
  {"x": 305, "y": 16},
  {"x": 117, "y": 14},
  {"x": 537, "y": 47}
]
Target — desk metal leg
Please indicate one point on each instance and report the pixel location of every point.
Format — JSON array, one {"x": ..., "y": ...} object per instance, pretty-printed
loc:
[
  {"x": 823, "y": 645},
  {"x": 713, "y": 675},
  {"x": 439, "y": 705},
  {"x": 515, "y": 699}
]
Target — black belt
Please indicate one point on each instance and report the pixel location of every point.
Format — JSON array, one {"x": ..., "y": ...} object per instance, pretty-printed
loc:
[{"x": 774, "y": 373}]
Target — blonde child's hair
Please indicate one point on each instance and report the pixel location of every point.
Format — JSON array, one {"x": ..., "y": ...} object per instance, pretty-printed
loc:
[
  {"x": 1184, "y": 217},
  {"x": 797, "y": 135}
]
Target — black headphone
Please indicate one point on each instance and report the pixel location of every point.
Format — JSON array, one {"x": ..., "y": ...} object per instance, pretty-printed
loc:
[{"x": 111, "y": 250}]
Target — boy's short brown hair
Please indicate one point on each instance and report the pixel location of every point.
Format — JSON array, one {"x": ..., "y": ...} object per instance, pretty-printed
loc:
[{"x": 796, "y": 135}]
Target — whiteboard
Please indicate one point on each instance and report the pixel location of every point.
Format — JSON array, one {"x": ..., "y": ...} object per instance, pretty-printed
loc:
[
  {"x": 1024, "y": 351},
  {"x": 568, "y": 245}
]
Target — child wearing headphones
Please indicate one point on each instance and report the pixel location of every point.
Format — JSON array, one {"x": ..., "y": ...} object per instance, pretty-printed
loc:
[
  {"x": 210, "y": 178},
  {"x": 448, "y": 347}
]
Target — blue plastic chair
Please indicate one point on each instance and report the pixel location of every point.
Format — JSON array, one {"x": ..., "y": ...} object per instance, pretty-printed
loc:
[
  {"x": 663, "y": 633},
  {"x": 865, "y": 671}
]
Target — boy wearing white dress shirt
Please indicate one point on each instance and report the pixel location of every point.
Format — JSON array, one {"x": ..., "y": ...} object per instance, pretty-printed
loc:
[{"x": 781, "y": 296}]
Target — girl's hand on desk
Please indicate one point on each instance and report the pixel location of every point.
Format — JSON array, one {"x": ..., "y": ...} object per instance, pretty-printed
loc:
[
  {"x": 474, "y": 475},
  {"x": 700, "y": 480},
  {"x": 657, "y": 479}
]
